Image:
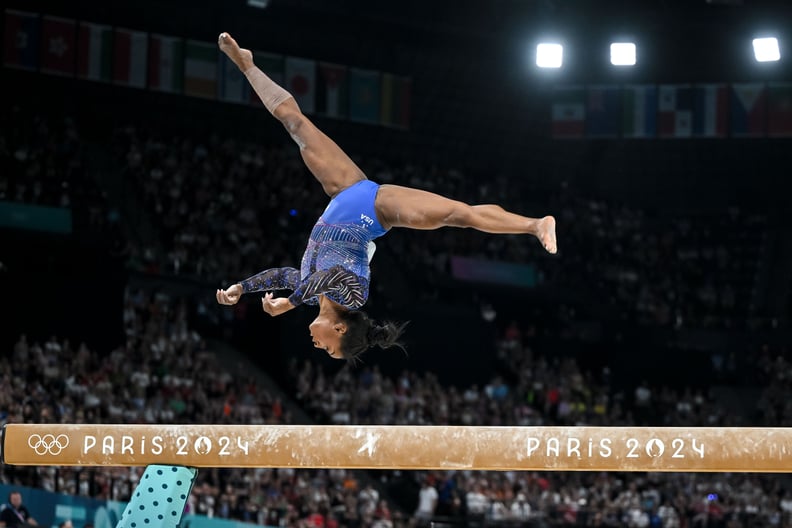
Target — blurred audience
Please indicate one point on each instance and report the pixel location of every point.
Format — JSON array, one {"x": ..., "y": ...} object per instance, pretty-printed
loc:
[{"x": 222, "y": 209}]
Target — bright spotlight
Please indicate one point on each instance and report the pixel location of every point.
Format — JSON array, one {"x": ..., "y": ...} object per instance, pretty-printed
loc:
[
  {"x": 766, "y": 49},
  {"x": 549, "y": 55},
  {"x": 622, "y": 53}
]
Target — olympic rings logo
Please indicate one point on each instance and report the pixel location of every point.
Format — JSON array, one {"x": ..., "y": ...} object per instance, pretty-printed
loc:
[{"x": 48, "y": 444}]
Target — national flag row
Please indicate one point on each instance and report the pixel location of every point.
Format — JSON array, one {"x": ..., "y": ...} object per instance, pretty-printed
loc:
[
  {"x": 750, "y": 109},
  {"x": 97, "y": 52}
]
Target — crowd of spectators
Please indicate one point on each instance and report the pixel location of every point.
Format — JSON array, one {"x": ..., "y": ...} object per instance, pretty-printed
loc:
[
  {"x": 694, "y": 270},
  {"x": 166, "y": 373},
  {"x": 226, "y": 208},
  {"x": 774, "y": 406},
  {"x": 178, "y": 378},
  {"x": 43, "y": 162},
  {"x": 222, "y": 203},
  {"x": 555, "y": 391},
  {"x": 42, "y": 159}
]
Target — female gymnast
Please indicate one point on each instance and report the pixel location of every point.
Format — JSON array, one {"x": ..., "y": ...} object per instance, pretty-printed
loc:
[{"x": 335, "y": 266}]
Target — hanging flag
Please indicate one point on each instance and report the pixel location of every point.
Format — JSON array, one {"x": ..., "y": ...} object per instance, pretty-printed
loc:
[
  {"x": 779, "y": 110},
  {"x": 710, "y": 110},
  {"x": 200, "y": 69},
  {"x": 57, "y": 45},
  {"x": 301, "y": 82},
  {"x": 639, "y": 111},
  {"x": 748, "y": 110},
  {"x": 395, "y": 104},
  {"x": 273, "y": 66},
  {"x": 21, "y": 42},
  {"x": 234, "y": 86},
  {"x": 364, "y": 96},
  {"x": 674, "y": 111},
  {"x": 603, "y": 107},
  {"x": 166, "y": 64},
  {"x": 568, "y": 115},
  {"x": 95, "y": 52},
  {"x": 130, "y": 50},
  {"x": 332, "y": 90}
]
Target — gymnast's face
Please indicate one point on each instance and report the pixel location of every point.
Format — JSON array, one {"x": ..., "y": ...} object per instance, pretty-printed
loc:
[{"x": 326, "y": 334}]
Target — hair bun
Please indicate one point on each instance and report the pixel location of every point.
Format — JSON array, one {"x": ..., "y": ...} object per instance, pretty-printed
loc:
[
  {"x": 364, "y": 333},
  {"x": 375, "y": 334},
  {"x": 385, "y": 335}
]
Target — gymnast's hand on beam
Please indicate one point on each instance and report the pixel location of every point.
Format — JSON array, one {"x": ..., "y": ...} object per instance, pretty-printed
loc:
[
  {"x": 276, "y": 306},
  {"x": 230, "y": 295}
]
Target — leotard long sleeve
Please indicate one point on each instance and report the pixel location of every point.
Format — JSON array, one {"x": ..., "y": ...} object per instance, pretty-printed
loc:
[
  {"x": 336, "y": 261},
  {"x": 335, "y": 264}
]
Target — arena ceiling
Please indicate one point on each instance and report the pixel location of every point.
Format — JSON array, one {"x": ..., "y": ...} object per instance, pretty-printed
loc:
[{"x": 677, "y": 39}]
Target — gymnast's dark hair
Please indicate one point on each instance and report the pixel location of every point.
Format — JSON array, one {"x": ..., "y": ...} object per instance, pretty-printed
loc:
[{"x": 364, "y": 333}]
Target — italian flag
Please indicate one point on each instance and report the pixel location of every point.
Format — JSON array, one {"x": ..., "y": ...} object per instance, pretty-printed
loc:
[
  {"x": 200, "y": 69},
  {"x": 166, "y": 64},
  {"x": 130, "y": 50},
  {"x": 94, "y": 52}
]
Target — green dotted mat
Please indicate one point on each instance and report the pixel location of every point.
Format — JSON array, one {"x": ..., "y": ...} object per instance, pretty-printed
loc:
[{"x": 160, "y": 497}]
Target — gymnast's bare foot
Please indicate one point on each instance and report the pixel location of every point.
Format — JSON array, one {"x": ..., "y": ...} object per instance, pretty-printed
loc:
[
  {"x": 545, "y": 232},
  {"x": 243, "y": 58}
]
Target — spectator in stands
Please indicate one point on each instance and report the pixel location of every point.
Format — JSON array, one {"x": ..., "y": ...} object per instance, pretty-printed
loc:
[
  {"x": 427, "y": 502},
  {"x": 335, "y": 271},
  {"x": 520, "y": 509},
  {"x": 476, "y": 501},
  {"x": 15, "y": 514}
]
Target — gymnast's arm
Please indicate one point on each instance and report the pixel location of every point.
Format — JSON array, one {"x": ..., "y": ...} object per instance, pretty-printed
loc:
[
  {"x": 340, "y": 285},
  {"x": 271, "y": 279}
]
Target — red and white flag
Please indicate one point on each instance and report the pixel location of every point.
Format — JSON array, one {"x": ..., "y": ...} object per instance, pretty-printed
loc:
[
  {"x": 130, "y": 50},
  {"x": 57, "y": 45}
]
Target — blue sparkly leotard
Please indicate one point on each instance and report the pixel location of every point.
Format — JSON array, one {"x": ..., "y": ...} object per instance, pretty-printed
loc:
[{"x": 336, "y": 262}]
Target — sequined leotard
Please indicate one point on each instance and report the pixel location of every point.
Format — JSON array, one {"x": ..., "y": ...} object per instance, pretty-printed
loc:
[{"x": 336, "y": 260}]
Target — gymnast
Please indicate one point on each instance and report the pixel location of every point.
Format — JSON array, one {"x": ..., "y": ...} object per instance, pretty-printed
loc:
[{"x": 335, "y": 266}]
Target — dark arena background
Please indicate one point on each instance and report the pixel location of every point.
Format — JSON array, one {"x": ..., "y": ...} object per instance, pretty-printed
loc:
[{"x": 139, "y": 173}]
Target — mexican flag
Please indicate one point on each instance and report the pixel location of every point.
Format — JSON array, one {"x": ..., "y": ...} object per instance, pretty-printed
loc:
[{"x": 200, "y": 69}]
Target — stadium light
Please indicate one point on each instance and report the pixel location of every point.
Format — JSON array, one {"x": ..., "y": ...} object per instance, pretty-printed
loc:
[
  {"x": 766, "y": 49},
  {"x": 549, "y": 55},
  {"x": 622, "y": 53}
]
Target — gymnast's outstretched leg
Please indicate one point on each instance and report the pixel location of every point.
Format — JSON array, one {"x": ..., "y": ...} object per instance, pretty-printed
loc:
[
  {"x": 396, "y": 206},
  {"x": 323, "y": 157},
  {"x": 399, "y": 206}
]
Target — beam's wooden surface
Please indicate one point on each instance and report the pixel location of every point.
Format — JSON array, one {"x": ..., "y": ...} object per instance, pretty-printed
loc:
[{"x": 404, "y": 447}]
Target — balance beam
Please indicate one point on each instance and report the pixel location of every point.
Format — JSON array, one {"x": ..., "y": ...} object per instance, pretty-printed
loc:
[{"x": 666, "y": 449}]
